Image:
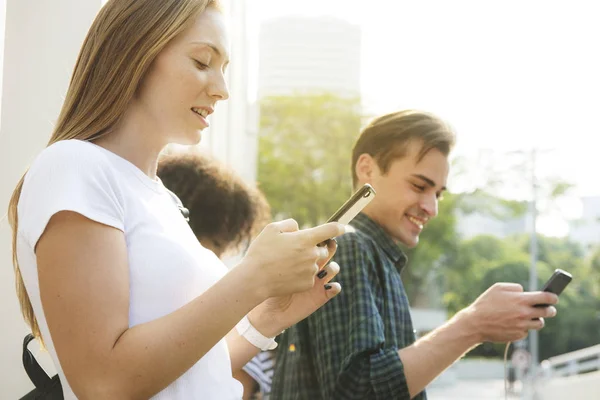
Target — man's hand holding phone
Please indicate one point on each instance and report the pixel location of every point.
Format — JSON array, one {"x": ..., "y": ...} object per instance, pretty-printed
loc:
[{"x": 506, "y": 313}]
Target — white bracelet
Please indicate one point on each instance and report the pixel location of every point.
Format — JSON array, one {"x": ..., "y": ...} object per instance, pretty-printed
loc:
[{"x": 257, "y": 339}]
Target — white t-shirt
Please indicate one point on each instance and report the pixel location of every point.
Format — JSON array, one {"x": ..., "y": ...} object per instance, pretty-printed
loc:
[{"x": 167, "y": 266}]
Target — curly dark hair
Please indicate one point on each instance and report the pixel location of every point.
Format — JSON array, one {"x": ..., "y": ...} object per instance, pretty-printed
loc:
[{"x": 224, "y": 211}]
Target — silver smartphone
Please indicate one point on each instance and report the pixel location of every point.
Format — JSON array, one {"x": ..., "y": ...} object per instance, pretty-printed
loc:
[{"x": 354, "y": 205}]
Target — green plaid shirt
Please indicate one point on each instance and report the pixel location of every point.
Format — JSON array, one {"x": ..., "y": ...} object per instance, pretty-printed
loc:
[{"x": 349, "y": 348}]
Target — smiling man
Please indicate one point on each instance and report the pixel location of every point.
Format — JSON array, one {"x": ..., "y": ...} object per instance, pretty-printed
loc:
[{"x": 362, "y": 344}]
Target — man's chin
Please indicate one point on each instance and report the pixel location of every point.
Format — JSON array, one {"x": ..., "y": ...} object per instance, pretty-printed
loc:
[
  {"x": 405, "y": 237},
  {"x": 409, "y": 241}
]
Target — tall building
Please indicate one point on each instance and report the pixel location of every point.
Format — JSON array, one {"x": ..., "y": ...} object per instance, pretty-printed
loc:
[
  {"x": 586, "y": 230},
  {"x": 488, "y": 216},
  {"x": 476, "y": 223},
  {"x": 307, "y": 54}
]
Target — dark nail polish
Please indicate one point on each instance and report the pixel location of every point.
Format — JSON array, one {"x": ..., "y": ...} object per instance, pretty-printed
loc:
[
  {"x": 328, "y": 286},
  {"x": 322, "y": 274}
]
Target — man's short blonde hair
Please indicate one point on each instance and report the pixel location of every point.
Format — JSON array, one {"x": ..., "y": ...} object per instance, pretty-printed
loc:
[{"x": 387, "y": 138}]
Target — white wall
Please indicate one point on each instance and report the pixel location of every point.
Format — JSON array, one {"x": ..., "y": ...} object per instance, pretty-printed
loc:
[
  {"x": 232, "y": 137},
  {"x": 42, "y": 39}
]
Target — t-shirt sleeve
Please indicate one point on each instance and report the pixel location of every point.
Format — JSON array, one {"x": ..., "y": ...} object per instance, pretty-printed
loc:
[{"x": 69, "y": 176}]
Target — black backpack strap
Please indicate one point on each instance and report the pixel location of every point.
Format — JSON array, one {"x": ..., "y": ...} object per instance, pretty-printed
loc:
[{"x": 36, "y": 373}]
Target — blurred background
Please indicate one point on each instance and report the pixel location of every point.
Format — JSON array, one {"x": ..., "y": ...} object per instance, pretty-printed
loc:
[{"x": 519, "y": 82}]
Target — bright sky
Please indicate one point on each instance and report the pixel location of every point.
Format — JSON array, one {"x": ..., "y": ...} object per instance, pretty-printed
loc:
[{"x": 508, "y": 75}]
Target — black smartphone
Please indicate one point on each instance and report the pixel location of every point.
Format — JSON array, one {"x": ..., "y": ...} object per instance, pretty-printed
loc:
[
  {"x": 353, "y": 205},
  {"x": 556, "y": 284}
]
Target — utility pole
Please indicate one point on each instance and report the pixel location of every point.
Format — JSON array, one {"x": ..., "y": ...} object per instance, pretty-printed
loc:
[{"x": 533, "y": 249}]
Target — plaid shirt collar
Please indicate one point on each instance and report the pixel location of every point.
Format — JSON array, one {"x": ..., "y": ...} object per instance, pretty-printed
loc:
[{"x": 370, "y": 228}]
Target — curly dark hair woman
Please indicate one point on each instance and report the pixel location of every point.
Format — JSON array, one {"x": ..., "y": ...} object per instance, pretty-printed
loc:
[{"x": 225, "y": 213}]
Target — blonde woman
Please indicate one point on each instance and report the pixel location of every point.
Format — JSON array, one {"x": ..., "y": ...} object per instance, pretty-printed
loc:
[{"x": 109, "y": 274}]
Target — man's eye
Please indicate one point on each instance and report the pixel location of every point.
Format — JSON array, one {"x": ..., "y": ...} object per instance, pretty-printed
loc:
[
  {"x": 419, "y": 188},
  {"x": 201, "y": 65}
]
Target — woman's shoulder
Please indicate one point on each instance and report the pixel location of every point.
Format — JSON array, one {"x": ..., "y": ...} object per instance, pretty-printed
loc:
[
  {"x": 72, "y": 151},
  {"x": 71, "y": 161},
  {"x": 71, "y": 166},
  {"x": 70, "y": 175}
]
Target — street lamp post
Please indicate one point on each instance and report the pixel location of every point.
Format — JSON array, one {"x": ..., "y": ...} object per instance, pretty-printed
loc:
[{"x": 533, "y": 335}]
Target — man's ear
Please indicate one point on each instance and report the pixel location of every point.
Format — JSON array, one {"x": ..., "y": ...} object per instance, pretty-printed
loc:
[{"x": 366, "y": 168}]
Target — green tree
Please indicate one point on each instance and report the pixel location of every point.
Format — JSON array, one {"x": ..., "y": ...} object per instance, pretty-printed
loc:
[
  {"x": 304, "y": 169},
  {"x": 439, "y": 256},
  {"x": 559, "y": 252},
  {"x": 437, "y": 245},
  {"x": 474, "y": 259},
  {"x": 578, "y": 322},
  {"x": 594, "y": 270},
  {"x": 305, "y": 145},
  {"x": 514, "y": 267},
  {"x": 484, "y": 260}
]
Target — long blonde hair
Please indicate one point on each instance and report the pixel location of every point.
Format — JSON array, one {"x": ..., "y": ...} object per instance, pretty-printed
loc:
[{"x": 124, "y": 39}]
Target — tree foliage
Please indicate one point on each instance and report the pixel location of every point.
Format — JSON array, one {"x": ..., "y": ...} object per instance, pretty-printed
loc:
[{"x": 305, "y": 143}]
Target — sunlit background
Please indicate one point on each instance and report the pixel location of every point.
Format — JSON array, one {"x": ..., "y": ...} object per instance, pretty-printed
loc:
[
  {"x": 508, "y": 75},
  {"x": 518, "y": 80}
]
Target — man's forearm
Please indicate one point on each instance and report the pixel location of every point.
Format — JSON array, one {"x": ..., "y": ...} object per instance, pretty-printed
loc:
[
  {"x": 240, "y": 350},
  {"x": 429, "y": 356}
]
